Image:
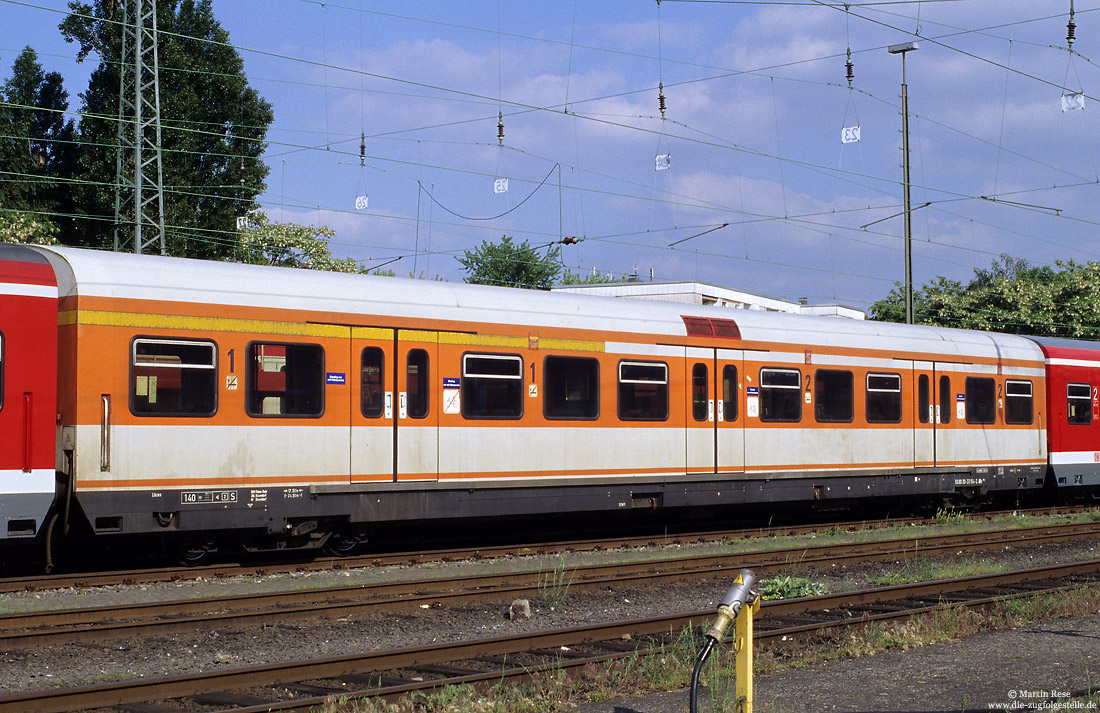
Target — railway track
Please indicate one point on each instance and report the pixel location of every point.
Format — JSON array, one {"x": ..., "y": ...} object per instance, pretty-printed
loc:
[
  {"x": 299, "y": 685},
  {"x": 235, "y": 569},
  {"x": 54, "y": 627}
]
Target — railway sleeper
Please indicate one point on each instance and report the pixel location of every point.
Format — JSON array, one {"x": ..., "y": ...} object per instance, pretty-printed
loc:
[
  {"x": 449, "y": 671},
  {"x": 228, "y": 698},
  {"x": 313, "y": 689}
]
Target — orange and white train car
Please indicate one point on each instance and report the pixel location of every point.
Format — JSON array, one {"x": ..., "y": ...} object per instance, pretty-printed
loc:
[{"x": 287, "y": 407}]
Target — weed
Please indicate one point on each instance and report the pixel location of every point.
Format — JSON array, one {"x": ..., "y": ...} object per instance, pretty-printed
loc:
[
  {"x": 554, "y": 585},
  {"x": 921, "y": 569},
  {"x": 947, "y": 515},
  {"x": 790, "y": 587}
]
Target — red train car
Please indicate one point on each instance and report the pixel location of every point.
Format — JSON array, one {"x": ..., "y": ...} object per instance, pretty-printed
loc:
[
  {"x": 1073, "y": 402},
  {"x": 28, "y": 390}
]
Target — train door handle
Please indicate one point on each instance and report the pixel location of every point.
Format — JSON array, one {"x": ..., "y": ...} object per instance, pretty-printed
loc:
[
  {"x": 105, "y": 435},
  {"x": 27, "y": 431},
  {"x": 403, "y": 405},
  {"x": 389, "y": 405}
]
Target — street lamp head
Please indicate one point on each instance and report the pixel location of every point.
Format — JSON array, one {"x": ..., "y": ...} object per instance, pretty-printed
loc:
[{"x": 903, "y": 48}]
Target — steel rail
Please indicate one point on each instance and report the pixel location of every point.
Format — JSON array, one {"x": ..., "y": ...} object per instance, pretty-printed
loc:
[
  {"x": 128, "y": 692},
  {"x": 165, "y": 574},
  {"x": 43, "y": 628}
]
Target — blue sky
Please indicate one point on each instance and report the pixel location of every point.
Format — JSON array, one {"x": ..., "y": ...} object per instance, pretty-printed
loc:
[{"x": 756, "y": 100}]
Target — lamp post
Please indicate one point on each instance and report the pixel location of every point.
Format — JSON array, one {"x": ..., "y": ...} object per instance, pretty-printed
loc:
[{"x": 902, "y": 49}]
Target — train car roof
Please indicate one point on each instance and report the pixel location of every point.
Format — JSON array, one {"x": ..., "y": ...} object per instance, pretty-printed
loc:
[
  {"x": 1063, "y": 348},
  {"x": 82, "y": 272}
]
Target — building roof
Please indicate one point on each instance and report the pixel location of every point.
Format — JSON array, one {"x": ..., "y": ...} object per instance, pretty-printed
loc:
[{"x": 701, "y": 293}]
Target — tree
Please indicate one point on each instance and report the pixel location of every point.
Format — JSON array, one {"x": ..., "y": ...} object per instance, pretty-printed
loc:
[
  {"x": 26, "y": 228},
  {"x": 511, "y": 265},
  {"x": 290, "y": 245},
  {"x": 213, "y": 126},
  {"x": 1012, "y": 296},
  {"x": 35, "y": 138}
]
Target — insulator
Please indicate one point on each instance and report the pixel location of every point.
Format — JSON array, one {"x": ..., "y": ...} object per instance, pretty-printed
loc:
[
  {"x": 500, "y": 127},
  {"x": 1071, "y": 27},
  {"x": 849, "y": 71},
  {"x": 661, "y": 98},
  {"x": 362, "y": 148}
]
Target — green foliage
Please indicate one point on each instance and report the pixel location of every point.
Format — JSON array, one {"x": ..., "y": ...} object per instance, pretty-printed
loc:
[
  {"x": 949, "y": 516},
  {"x": 1012, "y": 296},
  {"x": 34, "y": 137},
  {"x": 26, "y": 228},
  {"x": 212, "y": 135},
  {"x": 790, "y": 587},
  {"x": 554, "y": 585},
  {"x": 511, "y": 265},
  {"x": 266, "y": 242}
]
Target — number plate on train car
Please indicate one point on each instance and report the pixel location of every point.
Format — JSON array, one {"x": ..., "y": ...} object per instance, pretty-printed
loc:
[{"x": 199, "y": 497}]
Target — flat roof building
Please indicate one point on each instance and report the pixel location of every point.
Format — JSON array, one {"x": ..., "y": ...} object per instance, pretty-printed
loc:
[{"x": 700, "y": 293}]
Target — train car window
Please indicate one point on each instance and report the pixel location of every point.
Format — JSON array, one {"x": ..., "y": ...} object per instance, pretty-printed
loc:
[
  {"x": 643, "y": 391},
  {"x": 924, "y": 399},
  {"x": 700, "y": 390},
  {"x": 173, "y": 377},
  {"x": 834, "y": 400},
  {"x": 1079, "y": 403},
  {"x": 416, "y": 383},
  {"x": 570, "y": 387},
  {"x": 946, "y": 403},
  {"x": 883, "y": 398},
  {"x": 1019, "y": 404},
  {"x": 372, "y": 380},
  {"x": 981, "y": 400},
  {"x": 729, "y": 392},
  {"x": 492, "y": 386},
  {"x": 285, "y": 380},
  {"x": 780, "y": 395}
]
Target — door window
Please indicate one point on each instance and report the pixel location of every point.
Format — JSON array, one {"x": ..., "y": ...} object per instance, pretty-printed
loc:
[
  {"x": 729, "y": 392},
  {"x": 700, "y": 389},
  {"x": 416, "y": 383},
  {"x": 372, "y": 382}
]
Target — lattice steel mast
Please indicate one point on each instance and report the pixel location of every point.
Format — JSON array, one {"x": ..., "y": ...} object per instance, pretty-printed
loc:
[{"x": 139, "y": 183}]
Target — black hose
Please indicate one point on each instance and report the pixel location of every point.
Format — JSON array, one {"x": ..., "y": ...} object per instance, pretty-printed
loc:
[
  {"x": 695, "y": 674},
  {"x": 49, "y": 539}
]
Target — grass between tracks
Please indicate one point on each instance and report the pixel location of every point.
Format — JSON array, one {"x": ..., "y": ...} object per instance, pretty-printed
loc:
[{"x": 670, "y": 669}]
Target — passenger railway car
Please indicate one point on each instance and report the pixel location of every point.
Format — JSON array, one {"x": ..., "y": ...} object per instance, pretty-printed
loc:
[
  {"x": 285, "y": 408},
  {"x": 1073, "y": 402}
]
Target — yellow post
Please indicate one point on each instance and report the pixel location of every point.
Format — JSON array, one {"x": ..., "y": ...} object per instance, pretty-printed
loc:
[{"x": 742, "y": 664}]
